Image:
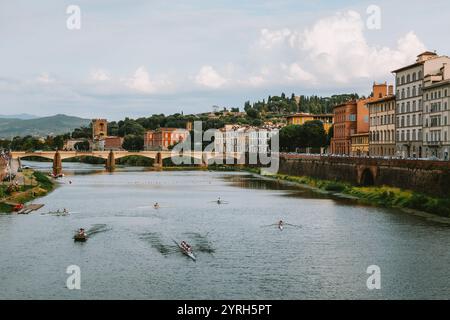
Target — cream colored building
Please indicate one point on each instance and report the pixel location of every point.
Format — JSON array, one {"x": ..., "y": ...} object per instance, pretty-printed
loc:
[
  {"x": 382, "y": 126},
  {"x": 235, "y": 138},
  {"x": 436, "y": 128},
  {"x": 409, "y": 102}
]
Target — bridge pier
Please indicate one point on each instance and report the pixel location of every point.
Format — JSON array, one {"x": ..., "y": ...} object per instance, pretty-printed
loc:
[
  {"x": 110, "y": 162},
  {"x": 57, "y": 164},
  {"x": 158, "y": 161}
]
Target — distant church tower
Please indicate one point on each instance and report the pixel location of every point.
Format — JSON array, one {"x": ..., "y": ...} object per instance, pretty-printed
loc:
[{"x": 99, "y": 129}]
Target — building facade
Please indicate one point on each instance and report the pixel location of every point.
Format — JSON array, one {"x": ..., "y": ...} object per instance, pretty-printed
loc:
[
  {"x": 163, "y": 138},
  {"x": 344, "y": 127},
  {"x": 382, "y": 126},
  {"x": 436, "y": 114},
  {"x": 236, "y": 138},
  {"x": 409, "y": 103},
  {"x": 70, "y": 144},
  {"x": 99, "y": 128},
  {"x": 113, "y": 143},
  {"x": 301, "y": 118},
  {"x": 360, "y": 140}
]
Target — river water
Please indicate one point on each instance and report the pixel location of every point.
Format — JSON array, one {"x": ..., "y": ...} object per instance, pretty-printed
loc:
[{"x": 131, "y": 254}]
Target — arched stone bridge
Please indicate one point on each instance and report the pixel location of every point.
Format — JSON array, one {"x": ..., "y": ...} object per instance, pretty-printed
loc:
[{"x": 200, "y": 157}]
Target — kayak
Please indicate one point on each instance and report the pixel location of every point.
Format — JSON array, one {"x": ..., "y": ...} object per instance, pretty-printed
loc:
[
  {"x": 190, "y": 254},
  {"x": 80, "y": 238}
]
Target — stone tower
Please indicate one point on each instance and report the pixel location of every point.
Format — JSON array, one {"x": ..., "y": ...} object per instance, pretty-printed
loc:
[{"x": 99, "y": 129}]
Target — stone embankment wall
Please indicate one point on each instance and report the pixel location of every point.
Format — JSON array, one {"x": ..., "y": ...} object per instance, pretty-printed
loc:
[{"x": 429, "y": 177}]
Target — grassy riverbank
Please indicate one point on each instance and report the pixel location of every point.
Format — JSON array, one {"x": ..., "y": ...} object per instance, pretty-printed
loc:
[
  {"x": 36, "y": 184},
  {"x": 382, "y": 196}
]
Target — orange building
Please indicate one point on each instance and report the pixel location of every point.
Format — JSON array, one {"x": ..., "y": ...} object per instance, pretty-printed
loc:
[
  {"x": 113, "y": 143},
  {"x": 301, "y": 118},
  {"x": 360, "y": 139},
  {"x": 344, "y": 127},
  {"x": 163, "y": 138}
]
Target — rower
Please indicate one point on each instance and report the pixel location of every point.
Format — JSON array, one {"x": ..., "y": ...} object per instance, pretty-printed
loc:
[
  {"x": 156, "y": 205},
  {"x": 81, "y": 232},
  {"x": 280, "y": 223},
  {"x": 219, "y": 201}
]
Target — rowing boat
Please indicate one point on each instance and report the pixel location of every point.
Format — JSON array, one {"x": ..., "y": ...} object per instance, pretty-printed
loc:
[
  {"x": 190, "y": 254},
  {"x": 80, "y": 237}
]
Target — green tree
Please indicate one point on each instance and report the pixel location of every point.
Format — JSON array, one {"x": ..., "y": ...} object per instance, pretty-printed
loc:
[
  {"x": 82, "y": 146},
  {"x": 133, "y": 142},
  {"x": 130, "y": 127}
]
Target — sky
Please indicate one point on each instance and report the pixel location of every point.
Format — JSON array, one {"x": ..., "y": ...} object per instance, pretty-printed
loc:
[{"x": 134, "y": 58}]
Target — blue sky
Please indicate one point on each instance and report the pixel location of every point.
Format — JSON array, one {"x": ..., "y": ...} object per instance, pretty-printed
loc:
[{"x": 135, "y": 58}]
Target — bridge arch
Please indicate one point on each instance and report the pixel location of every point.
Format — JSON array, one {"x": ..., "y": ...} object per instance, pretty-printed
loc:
[{"x": 367, "y": 176}]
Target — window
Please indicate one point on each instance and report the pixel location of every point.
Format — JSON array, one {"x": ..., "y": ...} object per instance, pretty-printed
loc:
[
  {"x": 408, "y": 78},
  {"x": 414, "y": 76}
]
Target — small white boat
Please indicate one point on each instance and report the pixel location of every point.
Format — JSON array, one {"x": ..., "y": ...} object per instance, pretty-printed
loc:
[
  {"x": 281, "y": 227},
  {"x": 190, "y": 254}
]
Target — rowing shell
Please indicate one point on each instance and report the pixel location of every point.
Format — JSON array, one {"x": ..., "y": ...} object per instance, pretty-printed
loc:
[{"x": 189, "y": 254}]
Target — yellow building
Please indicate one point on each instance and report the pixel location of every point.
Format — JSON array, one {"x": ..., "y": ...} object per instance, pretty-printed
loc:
[
  {"x": 301, "y": 118},
  {"x": 360, "y": 144}
]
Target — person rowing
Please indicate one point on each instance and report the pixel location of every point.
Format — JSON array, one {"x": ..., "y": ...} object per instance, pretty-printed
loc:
[
  {"x": 81, "y": 232},
  {"x": 156, "y": 205},
  {"x": 280, "y": 224},
  {"x": 186, "y": 246}
]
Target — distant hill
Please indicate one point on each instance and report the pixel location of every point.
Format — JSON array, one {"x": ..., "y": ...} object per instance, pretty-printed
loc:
[
  {"x": 22, "y": 116},
  {"x": 41, "y": 127}
]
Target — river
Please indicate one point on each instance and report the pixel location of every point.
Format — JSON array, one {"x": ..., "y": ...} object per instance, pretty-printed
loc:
[{"x": 131, "y": 255}]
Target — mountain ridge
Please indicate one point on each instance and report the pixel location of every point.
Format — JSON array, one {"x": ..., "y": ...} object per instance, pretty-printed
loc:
[{"x": 40, "y": 127}]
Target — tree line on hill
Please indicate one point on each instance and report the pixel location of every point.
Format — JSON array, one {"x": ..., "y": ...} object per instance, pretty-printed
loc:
[
  {"x": 283, "y": 104},
  {"x": 273, "y": 110}
]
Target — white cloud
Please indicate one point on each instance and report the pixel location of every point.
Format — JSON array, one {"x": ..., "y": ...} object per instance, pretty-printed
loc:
[
  {"x": 209, "y": 77},
  {"x": 141, "y": 82},
  {"x": 295, "y": 72},
  {"x": 100, "y": 75},
  {"x": 269, "y": 39},
  {"x": 45, "y": 78},
  {"x": 335, "y": 51}
]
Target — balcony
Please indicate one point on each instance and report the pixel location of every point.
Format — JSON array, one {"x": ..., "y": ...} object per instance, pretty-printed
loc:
[{"x": 434, "y": 143}]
